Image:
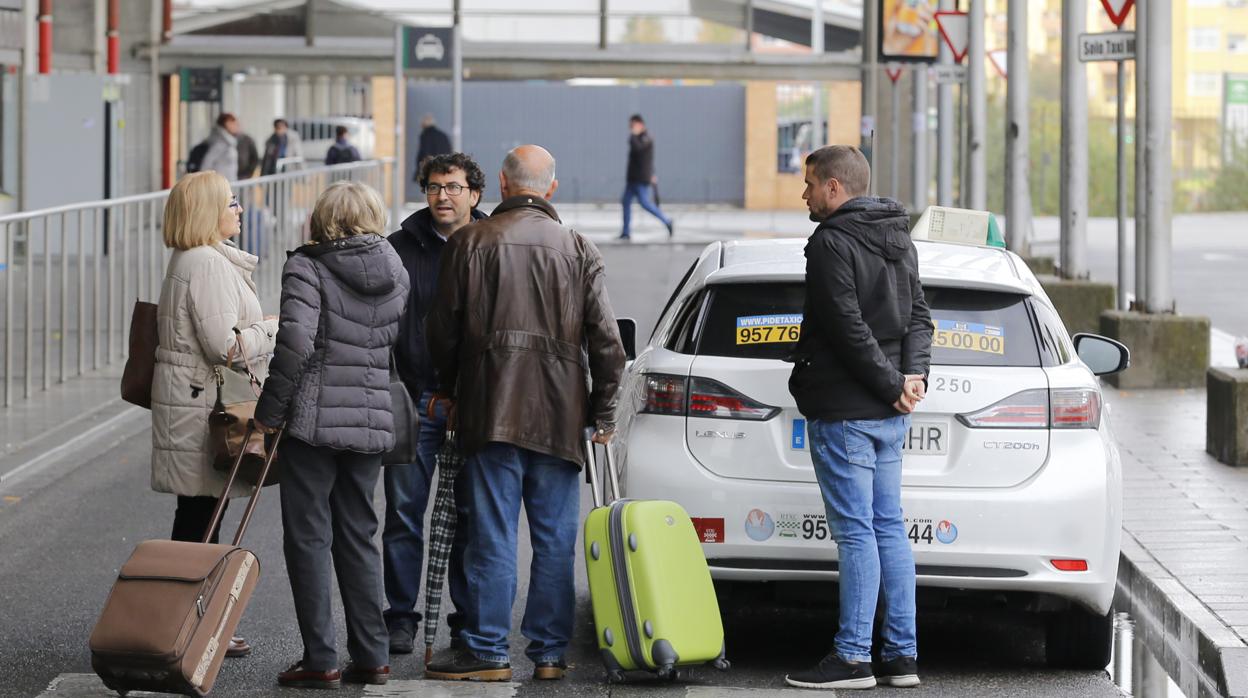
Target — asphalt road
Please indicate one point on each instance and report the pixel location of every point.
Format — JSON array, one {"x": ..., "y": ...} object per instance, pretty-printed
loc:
[{"x": 64, "y": 533}]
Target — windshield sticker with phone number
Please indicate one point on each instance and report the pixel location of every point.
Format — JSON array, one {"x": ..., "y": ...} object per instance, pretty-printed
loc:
[
  {"x": 968, "y": 336},
  {"x": 769, "y": 329}
]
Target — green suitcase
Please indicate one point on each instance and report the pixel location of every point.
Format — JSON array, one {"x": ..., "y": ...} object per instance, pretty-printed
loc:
[{"x": 654, "y": 603}]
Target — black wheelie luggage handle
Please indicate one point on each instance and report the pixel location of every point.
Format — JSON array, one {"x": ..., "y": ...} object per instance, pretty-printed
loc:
[{"x": 219, "y": 511}]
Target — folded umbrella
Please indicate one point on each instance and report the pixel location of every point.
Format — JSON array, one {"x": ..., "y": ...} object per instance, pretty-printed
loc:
[{"x": 441, "y": 535}]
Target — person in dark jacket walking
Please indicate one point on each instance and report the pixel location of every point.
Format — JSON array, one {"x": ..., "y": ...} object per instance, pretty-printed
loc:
[
  {"x": 521, "y": 314},
  {"x": 641, "y": 179},
  {"x": 452, "y": 184},
  {"x": 341, "y": 151},
  {"x": 284, "y": 143},
  {"x": 248, "y": 156},
  {"x": 433, "y": 141},
  {"x": 343, "y": 294},
  {"x": 860, "y": 368}
]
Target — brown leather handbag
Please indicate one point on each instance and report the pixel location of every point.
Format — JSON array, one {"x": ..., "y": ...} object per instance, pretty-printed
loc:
[
  {"x": 136, "y": 378},
  {"x": 237, "y": 394}
]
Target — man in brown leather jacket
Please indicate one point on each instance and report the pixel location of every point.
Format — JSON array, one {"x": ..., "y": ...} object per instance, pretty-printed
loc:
[{"x": 521, "y": 305}]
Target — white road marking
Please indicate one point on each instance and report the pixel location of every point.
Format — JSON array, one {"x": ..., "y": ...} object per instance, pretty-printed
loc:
[
  {"x": 84, "y": 686},
  {"x": 444, "y": 689},
  {"x": 722, "y": 691}
]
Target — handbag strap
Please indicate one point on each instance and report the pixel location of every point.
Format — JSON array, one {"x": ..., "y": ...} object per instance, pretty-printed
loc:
[{"x": 242, "y": 351}]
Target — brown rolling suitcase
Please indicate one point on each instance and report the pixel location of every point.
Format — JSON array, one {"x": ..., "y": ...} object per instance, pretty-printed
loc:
[{"x": 170, "y": 616}]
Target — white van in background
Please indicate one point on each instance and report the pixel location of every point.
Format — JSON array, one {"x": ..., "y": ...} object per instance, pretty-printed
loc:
[{"x": 317, "y": 133}]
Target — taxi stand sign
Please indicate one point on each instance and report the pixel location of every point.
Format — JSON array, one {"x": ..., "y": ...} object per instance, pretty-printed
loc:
[
  {"x": 1108, "y": 46},
  {"x": 958, "y": 225}
]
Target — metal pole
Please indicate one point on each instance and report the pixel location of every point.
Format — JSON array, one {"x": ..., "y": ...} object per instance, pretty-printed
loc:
[
  {"x": 870, "y": 78},
  {"x": 457, "y": 83},
  {"x": 1120, "y": 137},
  {"x": 398, "y": 192},
  {"x": 921, "y": 175},
  {"x": 817, "y": 135},
  {"x": 977, "y": 172},
  {"x": 602, "y": 25},
  {"x": 1158, "y": 297},
  {"x": 749, "y": 24},
  {"x": 1017, "y": 132},
  {"x": 1074, "y": 181},
  {"x": 894, "y": 148},
  {"x": 945, "y": 105},
  {"x": 1141, "y": 171}
]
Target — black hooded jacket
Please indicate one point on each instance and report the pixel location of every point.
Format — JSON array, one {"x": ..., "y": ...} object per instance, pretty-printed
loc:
[
  {"x": 866, "y": 323},
  {"x": 420, "y": 248}
]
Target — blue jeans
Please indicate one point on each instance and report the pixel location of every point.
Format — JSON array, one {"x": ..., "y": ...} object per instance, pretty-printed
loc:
[
  {"x": 858, "y": 465},
  {"x": 403, "y": 542},
  {"x": 644, "y": 193},
  {"x": 499, "y": 478}
]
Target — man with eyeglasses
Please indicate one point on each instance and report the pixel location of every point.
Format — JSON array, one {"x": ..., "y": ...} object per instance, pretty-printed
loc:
[{"x": 453, "y": 184}]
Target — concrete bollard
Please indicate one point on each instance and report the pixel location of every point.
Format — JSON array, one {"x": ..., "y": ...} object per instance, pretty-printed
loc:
[
  {"x": 1226, "y": 423},
  {"x": 1079, "y": 303},
  {"x": 1167, "y": 351}
]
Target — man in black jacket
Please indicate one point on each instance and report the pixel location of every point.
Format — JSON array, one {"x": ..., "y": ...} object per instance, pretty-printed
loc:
[
  {"x": 433, "y": 141},
  {"x": 860, "y": 369},
  {"x": 452, "y": 184},
  {"x": 641, "y": 177}
]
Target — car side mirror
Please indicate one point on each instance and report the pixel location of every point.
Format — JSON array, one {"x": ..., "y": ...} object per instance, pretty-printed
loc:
[
  {"x": 1101, "y": 354},
  {"x": 628, "y": 335}
]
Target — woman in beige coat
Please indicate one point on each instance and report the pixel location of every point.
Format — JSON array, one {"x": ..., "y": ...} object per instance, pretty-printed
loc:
[{"x": 208, "y": 299}]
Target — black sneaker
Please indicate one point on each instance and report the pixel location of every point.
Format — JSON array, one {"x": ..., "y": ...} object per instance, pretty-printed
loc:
[
  {"x": 671, "y": 229},
  {"x": 834, "y": 672},
  {"x": 902, "y": 672},
  {"x": 464, "y": 666},
  {"x": 402, "y": 634}
]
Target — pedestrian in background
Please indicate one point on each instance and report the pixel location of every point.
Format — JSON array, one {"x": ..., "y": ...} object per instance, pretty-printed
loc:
[
  {"x": 248, "y": 156},
  {"x": 433, "y": 141},
  {"x": 641, "y": 177},
  {"x": 341, "y": 151},
  {"x": 521, "y": 309},
  {"x": 208, "y": 303},
  {"x": 342, "y": 296},
  {"x": 860, "y": 368},
  {"x": 221, "y": 154},
  {"x": 284, "y": 143},
  {"x": 452, "y": 184}
]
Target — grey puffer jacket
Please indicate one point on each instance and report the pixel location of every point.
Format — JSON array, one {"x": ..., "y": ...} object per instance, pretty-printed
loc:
[{"x": 329, "y": 380}]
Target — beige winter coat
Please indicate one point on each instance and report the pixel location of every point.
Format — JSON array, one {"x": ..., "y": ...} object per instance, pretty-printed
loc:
[{"x": 207, "y": 293}]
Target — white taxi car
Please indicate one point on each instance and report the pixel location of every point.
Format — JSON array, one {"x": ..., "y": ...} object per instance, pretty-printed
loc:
[{"x": 1011, "y": 481}]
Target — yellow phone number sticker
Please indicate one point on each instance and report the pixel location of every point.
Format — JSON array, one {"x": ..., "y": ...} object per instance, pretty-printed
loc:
[
  {"x": 769, "y": 329},
  {"x": 969, "y": 336}
]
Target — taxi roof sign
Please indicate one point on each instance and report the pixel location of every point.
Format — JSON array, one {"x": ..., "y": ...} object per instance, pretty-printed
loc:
[{"x": 959, "y": 225}]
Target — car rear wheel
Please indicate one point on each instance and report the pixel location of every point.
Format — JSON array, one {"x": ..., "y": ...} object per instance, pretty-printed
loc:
[{"x": 1079, "y": 639}]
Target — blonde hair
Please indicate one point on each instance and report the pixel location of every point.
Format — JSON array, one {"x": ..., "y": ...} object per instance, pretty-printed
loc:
[
  {"x": 193, "y": 211},
  {"x": 345, "y": 209}
]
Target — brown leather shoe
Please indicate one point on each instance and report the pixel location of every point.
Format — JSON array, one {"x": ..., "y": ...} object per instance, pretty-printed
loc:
[
  {"x": 238, "y": 647},
  {"x": 298, "y": 677},
  {"x": 376, "y": 676}
]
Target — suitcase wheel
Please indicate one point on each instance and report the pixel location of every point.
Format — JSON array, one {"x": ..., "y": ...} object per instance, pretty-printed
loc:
[
  {"x": 669, "y": 673},
  {"x": 721, "y": 664},
  {"x": 615, "y": 677}
]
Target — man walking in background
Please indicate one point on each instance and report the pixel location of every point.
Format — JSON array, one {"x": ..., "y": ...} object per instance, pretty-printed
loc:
[
  {"x": 860, "y": 368},
  {"x": 284, "y": 143},
  {"x": 521, "y": 310},
  {"x": 452, "y": 185},
  {"x": 433, "y": 141},
  {"x": 341, "y": 151},
  {"x": 641, "y": 177}
]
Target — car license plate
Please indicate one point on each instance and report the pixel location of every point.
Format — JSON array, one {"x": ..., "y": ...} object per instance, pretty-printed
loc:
[{"x": 926, "y": 438}]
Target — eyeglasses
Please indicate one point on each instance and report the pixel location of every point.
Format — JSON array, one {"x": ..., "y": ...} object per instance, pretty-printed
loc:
[
  {"x": 234, "y": 204},
  {"x": 452, "y": 189}
]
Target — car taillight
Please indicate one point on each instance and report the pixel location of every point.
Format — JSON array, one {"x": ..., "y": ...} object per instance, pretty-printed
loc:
[
  {"x": 1070, "y": 565},
  {"x": 708, "y": 398},
  {"x": 1076, "y": 409},
  {"x": 700, "y": 397},
  {"x": 664, "y": 394},
  {"x": 1026, "y": 410}
]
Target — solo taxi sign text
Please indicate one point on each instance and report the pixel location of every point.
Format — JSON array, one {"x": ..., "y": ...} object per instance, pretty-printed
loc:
[{"x": 1110, "y": 46}]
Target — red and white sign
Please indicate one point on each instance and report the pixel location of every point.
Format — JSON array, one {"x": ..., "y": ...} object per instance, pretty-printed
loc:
[
  {"x": 955, "y": 29},
  {"x": 1000, "y": 60},
  {"x": 709, "y": 530},
  {"x": 893, "y": 71},
  {"x": 1117, "y": 10}
]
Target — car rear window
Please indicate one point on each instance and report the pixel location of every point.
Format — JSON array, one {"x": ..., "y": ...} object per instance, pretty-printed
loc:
[
  {"x": 752, "y": 321},
  {"x": 972, "y": 328},
  {"x": 980, "y": 328}
]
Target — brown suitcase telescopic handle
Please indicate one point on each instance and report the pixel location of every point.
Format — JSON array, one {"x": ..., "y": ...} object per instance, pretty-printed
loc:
[{"x": 219, "y": 511}]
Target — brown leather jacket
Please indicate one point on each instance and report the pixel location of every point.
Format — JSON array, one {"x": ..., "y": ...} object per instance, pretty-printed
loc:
[{"x": 520, "y": 318}]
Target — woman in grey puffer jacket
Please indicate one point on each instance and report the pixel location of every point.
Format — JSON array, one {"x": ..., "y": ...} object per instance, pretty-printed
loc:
[{"x": 329, "y": 383}]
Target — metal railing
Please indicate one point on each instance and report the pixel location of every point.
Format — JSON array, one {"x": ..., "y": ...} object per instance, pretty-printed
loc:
[{"x": 71, "y": 274}]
